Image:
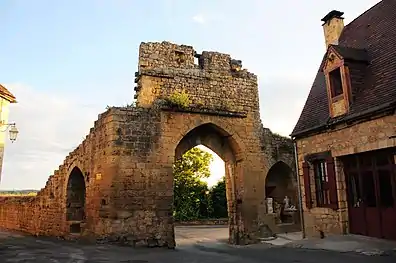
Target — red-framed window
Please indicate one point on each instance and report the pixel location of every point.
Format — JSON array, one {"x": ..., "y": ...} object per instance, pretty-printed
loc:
[{"x": 322, "y": 171}]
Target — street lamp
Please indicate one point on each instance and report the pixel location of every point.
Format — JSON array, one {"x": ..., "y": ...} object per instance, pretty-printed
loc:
[{"x": 13, "y": 131}]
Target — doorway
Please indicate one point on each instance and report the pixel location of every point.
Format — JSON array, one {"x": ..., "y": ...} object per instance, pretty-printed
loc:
[
  {"x": 199, "y": 196},
  {"x": 281, "y": 189},
  {"x": 371, "y": 193},
  {"x": 223, "y": 144},
  {"x": 75, "y": 200}
]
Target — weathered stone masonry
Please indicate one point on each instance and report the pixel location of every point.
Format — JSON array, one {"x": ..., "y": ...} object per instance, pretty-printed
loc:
[
  {"x": 341, "y": 141},
  {"x": 126, "y": 160}
]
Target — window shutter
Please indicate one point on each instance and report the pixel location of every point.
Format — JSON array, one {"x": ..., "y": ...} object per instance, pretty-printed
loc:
[
  {"x": 332, "y": 182},
  {"x": 307, "y": 185}
]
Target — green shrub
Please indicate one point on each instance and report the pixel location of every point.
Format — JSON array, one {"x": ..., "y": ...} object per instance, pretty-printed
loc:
[{"x": 179, "y": 99}]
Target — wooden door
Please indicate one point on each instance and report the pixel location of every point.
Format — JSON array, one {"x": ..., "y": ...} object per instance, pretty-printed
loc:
[
  {"x": 386, "y": 187},
  {"x": 371, "y": 190},
  {"x": 356, "y": 210}
]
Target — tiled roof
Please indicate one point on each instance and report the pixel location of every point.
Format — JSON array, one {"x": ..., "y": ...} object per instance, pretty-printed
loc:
[
  {"x": 352, "y": 54},
  {"x": 6, "y": 94},
  {"x": 370, "y": 37}
]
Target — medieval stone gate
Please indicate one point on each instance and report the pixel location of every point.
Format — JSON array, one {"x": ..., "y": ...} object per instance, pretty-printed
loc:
[{"x": 118, "y": 184}]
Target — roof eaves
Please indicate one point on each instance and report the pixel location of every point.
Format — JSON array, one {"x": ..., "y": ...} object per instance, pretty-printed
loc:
[
  {"x": 6, "y": 94},
  {"x": 8, "y": 97},
  {"x": 352, "y": 117}
]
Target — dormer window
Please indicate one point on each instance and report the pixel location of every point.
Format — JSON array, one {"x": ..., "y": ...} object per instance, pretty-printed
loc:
[
  {"x": 336, "y": 70},
  {"x": 335, "y": 83}
]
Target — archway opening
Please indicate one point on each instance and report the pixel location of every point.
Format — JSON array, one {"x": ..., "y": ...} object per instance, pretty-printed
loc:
[
  {"x": 199, "y": 187},
  {"x": 281, "y": 194},
  {"x": 217, "y": 186},
  {"x": 75, "y": 200},
  {"x": 212, "y": 194}
]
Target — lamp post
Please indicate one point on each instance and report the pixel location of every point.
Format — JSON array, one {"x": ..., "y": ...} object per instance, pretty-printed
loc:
[{"x": 13, "y": 132}]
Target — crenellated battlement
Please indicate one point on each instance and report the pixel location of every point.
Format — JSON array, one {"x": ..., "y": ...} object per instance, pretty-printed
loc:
[
  {"x": 211, "y": 79},
  {"x": 157, "y": 55},
  {"x": 154, "y": 55}
]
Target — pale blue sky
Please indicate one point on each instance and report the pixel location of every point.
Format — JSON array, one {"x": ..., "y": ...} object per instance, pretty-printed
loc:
[{"x": 66, "y": 60}]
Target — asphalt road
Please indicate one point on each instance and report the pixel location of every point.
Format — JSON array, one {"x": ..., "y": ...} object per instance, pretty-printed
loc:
[{"x": 191, "y": 248}]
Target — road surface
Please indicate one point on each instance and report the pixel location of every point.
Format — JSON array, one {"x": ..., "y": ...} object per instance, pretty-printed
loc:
[{"x": 194, "y": 245}]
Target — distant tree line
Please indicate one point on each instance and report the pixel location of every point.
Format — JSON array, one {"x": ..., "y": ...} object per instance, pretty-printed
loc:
[{"x": 18, "y": 192}]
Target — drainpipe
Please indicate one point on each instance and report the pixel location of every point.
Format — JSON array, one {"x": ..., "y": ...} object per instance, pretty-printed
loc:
[{"x": 299, "y": 190}]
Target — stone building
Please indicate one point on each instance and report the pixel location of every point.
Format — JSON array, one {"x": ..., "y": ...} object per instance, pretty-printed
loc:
[
  {"x": 6, "y": 98},
  {"x": 346, "y": 134},
  {"x": 117, "y": 185}
]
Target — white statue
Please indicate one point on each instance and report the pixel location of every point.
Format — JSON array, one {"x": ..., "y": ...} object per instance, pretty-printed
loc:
[
  {"x": 286, "y": 202},
  {"x": 270, "y": 205}
]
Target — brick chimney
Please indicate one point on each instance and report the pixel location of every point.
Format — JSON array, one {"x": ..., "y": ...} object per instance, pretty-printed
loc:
[{"x": 333, "y": 24}]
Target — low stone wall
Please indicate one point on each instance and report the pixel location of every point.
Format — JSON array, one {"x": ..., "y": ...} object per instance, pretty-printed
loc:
[
  {"x": 23, "y": 213},
  {"x": 10, "y": 212},
  {"x": 220, "y": 221},
  {"x": 45, "y": 213}
]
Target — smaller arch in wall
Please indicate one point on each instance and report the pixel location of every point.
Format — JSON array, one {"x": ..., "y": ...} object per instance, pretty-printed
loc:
[
  {"x": 75, "y": 199},
  {"x": 280, "y": 182}
]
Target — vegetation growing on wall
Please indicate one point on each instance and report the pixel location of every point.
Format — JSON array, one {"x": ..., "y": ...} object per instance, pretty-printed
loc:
[{"x": 179, "y": 99}]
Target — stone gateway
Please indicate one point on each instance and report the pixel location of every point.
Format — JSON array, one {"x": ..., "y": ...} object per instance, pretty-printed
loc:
[{"x": 117, "y": 185}]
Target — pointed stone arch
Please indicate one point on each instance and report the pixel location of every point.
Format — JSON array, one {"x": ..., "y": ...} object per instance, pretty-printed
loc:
[
  {"x": 228, "y": 149},
  {"x": 280, "y": 182},
  {"x": 222, "y": 128},
  {"x": 75, "y": 200},
  {"x": 219, "y": 140}
]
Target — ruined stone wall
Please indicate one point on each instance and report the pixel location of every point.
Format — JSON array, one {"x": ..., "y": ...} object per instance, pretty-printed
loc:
[
  {"x": 220, "y": 93},
  {"x": 216, "y": 82},
  {"x": 361, "y": 137},
  {"x": 282, "y": 174},
  {"x": 127, "y": 158},
  {"x": 136, "y": 205},
  {"x": 278, "y": 148},
  {"x": 45, "y": 214}
]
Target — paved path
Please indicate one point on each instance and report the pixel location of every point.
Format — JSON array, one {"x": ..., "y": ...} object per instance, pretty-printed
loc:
[
  {"x": 18, "y": 248},
  {"x": 193, "y": 234}
]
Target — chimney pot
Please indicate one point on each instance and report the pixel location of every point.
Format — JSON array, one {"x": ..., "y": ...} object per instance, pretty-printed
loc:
[
  {"x": 332, "y": 14},
  {"x": 333, "y": 24}
]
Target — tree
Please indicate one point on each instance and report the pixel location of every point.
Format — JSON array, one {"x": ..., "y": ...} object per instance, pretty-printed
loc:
[
  {"x": 219, "y": 200},
  {"x": 191, "y": 200}
]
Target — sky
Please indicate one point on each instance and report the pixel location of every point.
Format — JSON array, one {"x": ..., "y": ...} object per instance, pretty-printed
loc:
[{"x": 66, "y": 60}]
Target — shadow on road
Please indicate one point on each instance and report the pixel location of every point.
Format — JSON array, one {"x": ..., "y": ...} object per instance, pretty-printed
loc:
[{"x": 195, "y": 244}]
